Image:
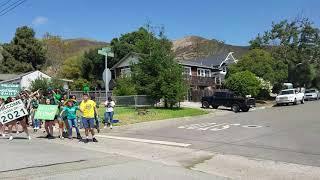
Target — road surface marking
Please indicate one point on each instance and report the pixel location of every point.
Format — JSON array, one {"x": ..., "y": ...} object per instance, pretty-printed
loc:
[
  {"x": 219, "y": 129},
  {"x": 214, "y": 126},
  {"x": 145, "y": 141},
  {"x": 203, "y": 129},
  {"x": 235, "y": 124},
  {"x": 252, "y": 126}
]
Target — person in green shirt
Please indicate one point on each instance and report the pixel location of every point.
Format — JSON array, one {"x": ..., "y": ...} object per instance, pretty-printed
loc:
[{"x": 71, "y": 112}]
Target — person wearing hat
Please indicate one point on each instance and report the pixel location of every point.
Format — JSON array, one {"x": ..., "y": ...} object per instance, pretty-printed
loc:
[{"x": 71, "y": 113}]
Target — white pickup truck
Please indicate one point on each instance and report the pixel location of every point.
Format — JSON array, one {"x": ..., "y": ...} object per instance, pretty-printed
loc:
[{"x": 288, "y": 96}]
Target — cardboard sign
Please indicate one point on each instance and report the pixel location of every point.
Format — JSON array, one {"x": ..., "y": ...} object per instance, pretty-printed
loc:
[
  {"x": 12, "y": 111},
  {"x": 46, "y": 112},
  {"x": 7, "y": 90}
]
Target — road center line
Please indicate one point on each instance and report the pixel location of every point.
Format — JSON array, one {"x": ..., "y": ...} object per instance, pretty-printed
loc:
[{"x": 146, "y": 141}]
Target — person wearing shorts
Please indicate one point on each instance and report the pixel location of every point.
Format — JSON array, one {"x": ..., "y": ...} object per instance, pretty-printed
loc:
[
  {"x": 22, "y": 121},
  {"x": 88, "y": 109},
  {"x": 48, "y": 125}
]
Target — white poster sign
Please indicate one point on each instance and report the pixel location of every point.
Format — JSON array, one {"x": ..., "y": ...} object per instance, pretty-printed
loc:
[{"x": 12, "y": 111}]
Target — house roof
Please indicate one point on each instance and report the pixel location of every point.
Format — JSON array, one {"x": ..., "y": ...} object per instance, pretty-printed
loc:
[
  {"x": 4, "y": 77},
  {"x": 124, "y": 58},
  {"x": 10, "y": 77},
  {"x": 215, "y": 60},
  {"x": 193, "y": 63},
  {"x": 182, "y": 62}
]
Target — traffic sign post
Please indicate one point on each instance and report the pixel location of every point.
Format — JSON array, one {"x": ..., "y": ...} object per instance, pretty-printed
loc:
[{"x": 107, "y": 52}]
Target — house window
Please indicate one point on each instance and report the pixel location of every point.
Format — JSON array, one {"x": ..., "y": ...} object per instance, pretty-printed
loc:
[
  {"x": 125, "y": 72},
  {"x": 218, "y": 80},
  {"x": 204, "y": 72},
  {"x": 187, "y": 71},
  {"x": 224, "y": 69}
]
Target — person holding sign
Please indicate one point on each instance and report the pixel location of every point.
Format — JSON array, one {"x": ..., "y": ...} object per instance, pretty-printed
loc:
[
  {"x": 20, "y": 115},
  {"x": 71, "y": 113},
  {"x": 88, "y": 109},
  {"x": 48, "y": 125}
]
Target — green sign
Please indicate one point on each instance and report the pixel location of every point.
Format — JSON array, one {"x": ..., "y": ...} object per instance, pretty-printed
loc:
[
  {"x": 46, "y": 112},
  {"x": 7, "y": 90},
  {"x": 106, "y": 52}
]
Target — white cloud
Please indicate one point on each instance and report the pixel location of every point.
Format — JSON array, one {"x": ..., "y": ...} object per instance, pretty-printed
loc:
[{"x": 39, "y": 20}]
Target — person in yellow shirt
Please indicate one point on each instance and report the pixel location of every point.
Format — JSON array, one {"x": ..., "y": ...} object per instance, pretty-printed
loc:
[{"x": 88, "y": 109}]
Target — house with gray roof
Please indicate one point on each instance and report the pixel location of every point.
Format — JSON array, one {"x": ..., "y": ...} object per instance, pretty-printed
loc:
[
  {"x": 198, "y": 75},
  {"x": 220, "y": 62}
]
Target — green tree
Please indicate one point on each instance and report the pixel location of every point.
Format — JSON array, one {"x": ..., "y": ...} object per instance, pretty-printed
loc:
[
  {"x": 136, "y": 41},
  {"x": 10, "y": 65},
  {"x": 158, "y": 74},
  {"x": 92, "y": 65},
  {"x": 78, "y": 84},
  {"x": 263, "y": 65},
  {"x": 293, "y": 42},
  {"x": 71, "y": 68},
  {"x": 124, "y": 87},
  {"x": 25, "y": 48},
  {"x": 243, "y": 83},
  {"x": 57, "y": 52},
  {"x": 44, "y": 84}
]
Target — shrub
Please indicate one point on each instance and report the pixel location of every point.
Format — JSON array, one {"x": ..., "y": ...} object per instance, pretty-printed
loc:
[
  {"x": 79, "y": 84},
  {"x": 124, "y": 87},
  {"x": 243, "y": 83}
]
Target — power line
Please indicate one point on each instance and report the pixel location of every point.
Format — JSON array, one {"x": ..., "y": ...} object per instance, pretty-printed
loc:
[
  {"x": 11, "y": 7},
  {"x": 5, "y": 3}
]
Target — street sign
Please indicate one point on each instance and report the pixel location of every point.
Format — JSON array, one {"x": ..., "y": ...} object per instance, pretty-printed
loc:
[
  {"x": 106, "y": 52},
  {"x": 106, "y": 76},
  {"x": 46, "y": 112},
  {"x": 9, "y": 90},
  {"x": 12, "y": 111}
]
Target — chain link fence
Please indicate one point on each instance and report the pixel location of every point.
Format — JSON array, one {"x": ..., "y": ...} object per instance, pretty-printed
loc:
[{"x": 127, "y": 101}]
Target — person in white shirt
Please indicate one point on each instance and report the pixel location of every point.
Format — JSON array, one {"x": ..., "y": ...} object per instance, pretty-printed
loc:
[{"x": 108, "y": 115}]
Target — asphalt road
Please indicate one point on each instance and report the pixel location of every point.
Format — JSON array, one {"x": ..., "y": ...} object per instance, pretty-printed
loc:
[
  {"x": 274, "y": 143},
  {"x": 287, "y": 133},
  {"x": 56, "y": 159}
]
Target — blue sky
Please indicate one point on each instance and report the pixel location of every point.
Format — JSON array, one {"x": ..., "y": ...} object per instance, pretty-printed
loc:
[{"x": 233, "y": 21}]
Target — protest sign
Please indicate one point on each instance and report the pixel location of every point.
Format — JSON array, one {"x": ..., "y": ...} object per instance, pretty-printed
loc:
[
  {"x": 12, "y": 111},
  {"x": 46, "y": 112},
  {"x": 7, "y": 90}
]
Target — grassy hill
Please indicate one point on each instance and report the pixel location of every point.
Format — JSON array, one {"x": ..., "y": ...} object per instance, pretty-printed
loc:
[
  {"x": 80, "y": 45},
  {"x": 193, "y": 47},
  {"x": 190, "y": 47}
]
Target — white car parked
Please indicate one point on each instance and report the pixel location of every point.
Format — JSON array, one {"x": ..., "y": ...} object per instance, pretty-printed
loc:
[
  {"x": 288, "y": 96},
  {"x": 312, "y": 94}
]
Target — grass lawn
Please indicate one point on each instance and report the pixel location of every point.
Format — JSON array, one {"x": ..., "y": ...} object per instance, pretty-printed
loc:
[{"x": 128, "y": 115}]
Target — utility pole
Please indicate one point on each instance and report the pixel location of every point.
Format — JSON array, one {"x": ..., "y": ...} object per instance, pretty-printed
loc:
[{"x": 107, "y": 73}]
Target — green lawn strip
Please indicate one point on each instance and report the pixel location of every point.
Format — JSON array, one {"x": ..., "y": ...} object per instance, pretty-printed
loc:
[{"x": 128, "y": 115}]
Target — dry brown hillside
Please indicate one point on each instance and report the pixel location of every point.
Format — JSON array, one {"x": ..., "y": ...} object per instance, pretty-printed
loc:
[
  {"x": 193, "y": 47},
  {"x": 80, "y": 45}
]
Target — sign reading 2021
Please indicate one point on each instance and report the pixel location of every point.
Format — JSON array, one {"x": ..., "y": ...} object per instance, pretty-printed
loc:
[{"x": 12, "y": 111}]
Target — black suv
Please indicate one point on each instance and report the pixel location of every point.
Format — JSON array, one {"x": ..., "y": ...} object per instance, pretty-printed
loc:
[{"x": 228, "y": 99}]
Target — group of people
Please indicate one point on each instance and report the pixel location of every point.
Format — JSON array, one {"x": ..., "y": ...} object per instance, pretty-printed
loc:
[{"x": 69, "y": 111}]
